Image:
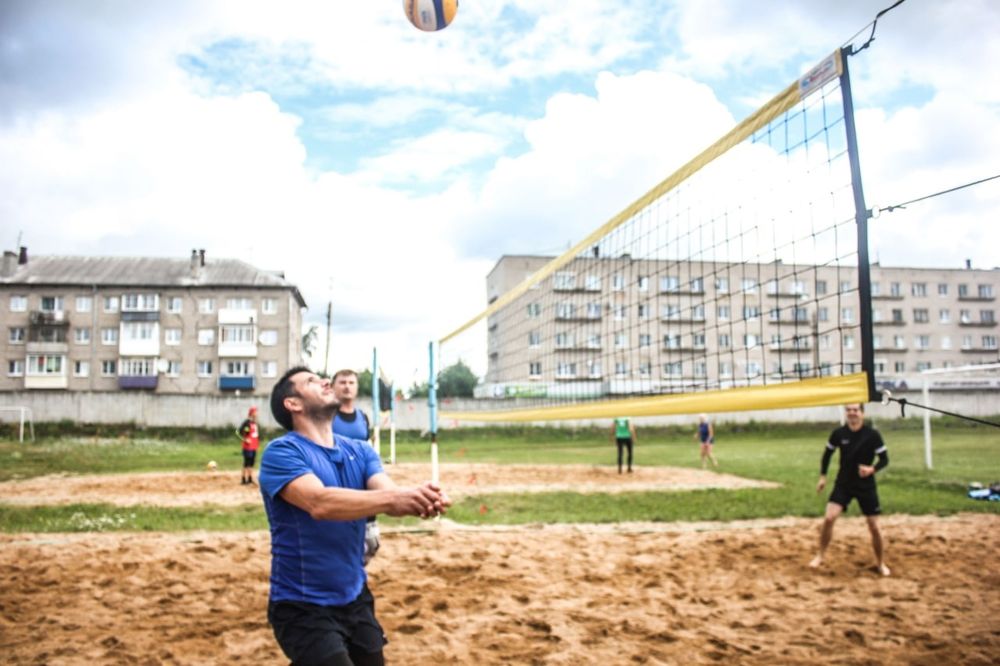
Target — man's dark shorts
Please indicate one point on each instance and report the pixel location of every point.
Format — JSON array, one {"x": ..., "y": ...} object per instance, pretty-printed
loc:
[
  {"x": 249, "y": 457},
  {"x": 867, "y": 498},
  {"x": 311, "y": 634}
]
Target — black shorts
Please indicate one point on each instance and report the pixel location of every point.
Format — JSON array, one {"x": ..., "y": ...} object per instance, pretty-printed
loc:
[
  {"x": 249, "y": 457},
  {"x": 311, "y": 634},
  {"x": 624, "y": 441},
  {"x": 867, "y": 498}
]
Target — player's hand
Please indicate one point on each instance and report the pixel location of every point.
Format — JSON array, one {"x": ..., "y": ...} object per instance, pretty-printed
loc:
[
  {"x": 821, "y": 484},
  {"x": 864, "y": 471},
  {"x": 424, "y": 501}
]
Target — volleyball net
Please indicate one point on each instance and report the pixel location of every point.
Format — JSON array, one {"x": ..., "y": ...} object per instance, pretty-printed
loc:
[{"x": 739, "y": 282}]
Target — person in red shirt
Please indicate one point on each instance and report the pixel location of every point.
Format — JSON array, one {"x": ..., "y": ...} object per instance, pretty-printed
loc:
[{"x": 250, "y": 435}]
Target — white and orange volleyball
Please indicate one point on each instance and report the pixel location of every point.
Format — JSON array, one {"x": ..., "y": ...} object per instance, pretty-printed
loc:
[{"x": 430, "y": 15}]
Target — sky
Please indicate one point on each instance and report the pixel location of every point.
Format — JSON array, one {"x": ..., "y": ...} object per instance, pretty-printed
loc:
[{"x": 385, "y": 170}]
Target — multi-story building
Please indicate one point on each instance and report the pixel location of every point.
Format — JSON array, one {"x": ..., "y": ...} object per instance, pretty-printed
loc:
[
  {"x": 623, "y": 325},
  {"x": 191, "y": 326}
]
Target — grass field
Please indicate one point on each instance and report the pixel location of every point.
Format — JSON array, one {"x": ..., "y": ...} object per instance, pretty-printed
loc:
[{"x": 788, "y": 455}]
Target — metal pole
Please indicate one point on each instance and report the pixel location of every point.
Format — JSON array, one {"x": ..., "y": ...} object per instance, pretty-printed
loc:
[
  {"x": 326, "y": 356},
  {"x": 861, "y": 218},
  {"x": 432, "y": 410},
  {"x": 392, "y": 423},
  {"x": 928, "y": 462},
  {"x": 376, "y": 411}
]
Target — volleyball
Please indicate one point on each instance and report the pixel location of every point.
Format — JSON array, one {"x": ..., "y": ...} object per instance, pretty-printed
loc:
[
  {"x": 430, "y": 15},
  {"x": 211, "y": 466}
]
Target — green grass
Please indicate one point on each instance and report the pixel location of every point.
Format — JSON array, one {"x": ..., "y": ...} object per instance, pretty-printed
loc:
[{"x": 786, "y": 454}]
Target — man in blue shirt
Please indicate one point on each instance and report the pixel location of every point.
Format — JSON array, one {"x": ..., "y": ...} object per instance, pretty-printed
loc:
[{"x": 318, "y": 490}]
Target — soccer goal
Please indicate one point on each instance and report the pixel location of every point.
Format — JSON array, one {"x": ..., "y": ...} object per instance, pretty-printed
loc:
[
  {"x": 740, "y": 282},
  {"x": 982, "y": 377},
  {"x": 23, "y": 416}
]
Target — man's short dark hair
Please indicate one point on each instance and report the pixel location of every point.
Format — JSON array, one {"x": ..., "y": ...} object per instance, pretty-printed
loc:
[
  {"x": 346, "y": 372},
  {"x": 285, "y": 389}
]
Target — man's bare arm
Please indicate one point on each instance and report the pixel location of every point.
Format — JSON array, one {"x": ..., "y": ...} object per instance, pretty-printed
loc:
[{"x": 308, "y": 493}]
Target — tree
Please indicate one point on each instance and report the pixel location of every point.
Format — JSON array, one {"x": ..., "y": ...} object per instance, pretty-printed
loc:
[
  {"x": 457, "y": 381},
  {"x": 309, "y": 341}
]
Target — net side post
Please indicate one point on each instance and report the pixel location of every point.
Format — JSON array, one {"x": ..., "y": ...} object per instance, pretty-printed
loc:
[
  {"x": 392, "y": 423},
  {"x": 861, "y": 216},
  {"x": 432, "y": 412},
  {"x": 376, "y": 411}
]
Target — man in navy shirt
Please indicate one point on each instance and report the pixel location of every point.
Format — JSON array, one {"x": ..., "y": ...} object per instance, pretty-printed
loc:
[
  {"x": 858, "y": 444},
  {"x": 318, "y": 490}
]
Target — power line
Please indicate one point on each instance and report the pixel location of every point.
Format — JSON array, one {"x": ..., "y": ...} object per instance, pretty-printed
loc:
[
  {"x": 888, "y": 209},
  {"x": 873, "y": 24}
]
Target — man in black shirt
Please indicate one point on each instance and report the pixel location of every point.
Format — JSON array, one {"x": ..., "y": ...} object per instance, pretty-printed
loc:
[{"x": 858, "y": 444}]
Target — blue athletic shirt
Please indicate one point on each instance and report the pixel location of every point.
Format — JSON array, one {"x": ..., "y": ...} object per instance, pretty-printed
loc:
[
  {"x": 315, "y": 561},
  {"x": 355, "y": 427}
]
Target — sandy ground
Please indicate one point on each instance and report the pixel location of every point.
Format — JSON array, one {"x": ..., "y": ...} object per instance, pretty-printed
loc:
[
  {"x": 682, "y": 593},
  {"x": 223, "y": 488}
]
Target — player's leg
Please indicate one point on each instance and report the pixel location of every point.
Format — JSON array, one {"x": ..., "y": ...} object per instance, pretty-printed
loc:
[
  {"x": 621, "y": 450},
  {"x": 704, "y": 454},
  {"x": 834, "y": 507},
  {"x": 711, "y": 456},
  {"x": 629, "y": 443},
  {"x": 871, "y": 508}
]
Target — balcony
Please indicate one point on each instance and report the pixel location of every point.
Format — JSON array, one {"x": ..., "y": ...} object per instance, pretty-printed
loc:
[
  {"x": 47, "y": 348},
  {"x": 140, "y": 316},
  {"x": 980, "y": 323},
  {"x": 138, "y": 382},
  {"x": 51, "y": 381},
  {"x": 48, "y": 318},
  {"x": 231, "y": 316},
  {"x": 237, "y": 383},
  {"x": 890, "y": 322}
]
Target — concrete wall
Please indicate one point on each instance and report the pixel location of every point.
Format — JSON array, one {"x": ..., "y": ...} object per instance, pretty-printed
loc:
[{"x": 225, "y": 410}]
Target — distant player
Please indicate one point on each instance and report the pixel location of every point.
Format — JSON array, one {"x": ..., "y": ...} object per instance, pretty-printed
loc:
[
  {"x": 706, "y": 436},
  {"x": 349, "y": 421},
  {"x": 250, "y": 435},
  {"x": 623, "y": 433},
  {"x": 858, "y": 444}
]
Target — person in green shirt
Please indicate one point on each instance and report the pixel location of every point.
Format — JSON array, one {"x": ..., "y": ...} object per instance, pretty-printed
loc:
[{"x": 623, "y": 433}]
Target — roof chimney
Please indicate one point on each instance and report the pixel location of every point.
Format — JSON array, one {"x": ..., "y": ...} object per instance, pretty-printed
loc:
[
  {"x": 22, "y": 258},
  {"x": 968, "y": 264},
  {"x": 9, "y": 264},
  {"x": 201, "y": 254},
  {"x": 194, "y": 263}
]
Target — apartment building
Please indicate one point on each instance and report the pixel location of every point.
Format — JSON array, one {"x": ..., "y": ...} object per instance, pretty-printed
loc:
[
  {"x": 623, "y": 325},
  {"x": 178, "y": 326}
]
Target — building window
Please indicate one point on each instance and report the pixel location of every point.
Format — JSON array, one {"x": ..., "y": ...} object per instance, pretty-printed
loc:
[
  {"x": 534, "y": 339},
  {"x": 594, "y": 369},
  {"x": 51, "y": 303},
  {"x": 566, "y": 370},
  {"x": 81, "y": 369},
  {"x": 751, "y": 340},
  {"x": 898, "y": 342},
  {"x": 944, "y": 316},
  {"x": 643, "y": 311},
  {"x": 109, "y": 368},
  {"x": 876, "y": 289},
  {"x": 204, "y": 368},
  {"x": 897, "y": 316},
  {"x": 774, "y": 314},
  {"x": 698, "y": 340},
  {"x": 16, "y": 335},
  {"x": 172, "y": 336},
  {"x": 673, "y": 369},
  {"x": 138, "y": 367},
  {"x": 801, "y": 314},
  {"x": 722, "y": 312},
  {"x": 206, "y": 305},
  {"x": 645, "y": 369},
  {"x": 643, "y": 283},
  {"x": 945, "y": 342},
  {"x": 593, "y": 310},
  {"x": 877, "y": 342},
  {"x": 753, "y": 369},
  {"x": 698, "y": 286},
  {"x": 109, "y": 336},
  {"x": 111, "y": 304},
  {"x": 989, "y": 342},
  {"x": 206, "y": 336},
  {"x": 942, "y": 289},
  {"x": 621, "y": 369},
  {"x": 535, "y": 369},
  {"x": 921, "y": 315},
  {"x": 725, "y": 342},
  {"x": 268, "y": 368},
  {"x": 242, "y": 335},
  {"x": 722, "y": 285},
  {"x": 918, "y": 289},
  {"x": 772, "y": 287},
  {"x": 620, "y": 312},
  {"x": 81, "y": 336},
  {"x": 966, "y": 342},
  {"x": 175, "y": 304},
  {"x": 139, "y": 330},
  {"x": 670, "y": 312},
  {"x": 617, "y": 282},
  {"x": 84, "y": 303},
  {"x": 140, "y": 303},
  {"x": 594, "y": 341},
  {"x": 564, "y": 281},
  {"x": 700, "y": 369},
  {"x": 900, "y": 366},
  {"x": 46, "y": 364},
  {"x": 923, "y": 342},
  {"x": 238, "y": 368},
  {"x": 670, "y": 283},
  {"x": 820, "y": 287},
  {"x": 725, "y": 369},
  {"x": 18, "y": 303},
  {"x": 751, "y": 311},
  {"x": 173, "y": 368},
  {"x": 985, "y": 291},
  {"x": 698, "y": 312},
  {"x": 965, "y": 316},
  {"x": 986, "y": 316},
  {"x": 923, "y": 365},
  {"x": 895, "y": 289},
  {"x": 672, "y": 341},
  {"x": 645, "y": 339},
  {"x": 15, "y": 368},
  {"x": 848, "y": 341},
  {"x": 845, "y": 286},
  {"x": 565, "y": 311},
  {"x": 239, "y": 304},
  {"x": 822, "y": 314},
  {"x": 534, "y": 310},
  {"x": 876, "y": 316},
  {"x": 748, "y": 285},
  {"x": 269, "y": 305},
  {"x": 564, "y": 340},
  {"x": 268, "y": 337},
  {"x": 592, "y": 282},
  {"x": 963, "y": 291},
  {"x": 621, "y": 340}
]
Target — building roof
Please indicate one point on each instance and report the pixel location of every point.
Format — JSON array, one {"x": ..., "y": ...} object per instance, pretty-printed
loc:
[{"x": 153, "y": 272}]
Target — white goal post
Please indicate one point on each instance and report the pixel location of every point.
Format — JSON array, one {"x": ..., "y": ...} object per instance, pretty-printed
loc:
[
  {"x": 24, "y": 414},
  {"x": 926, "y": 376}
]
